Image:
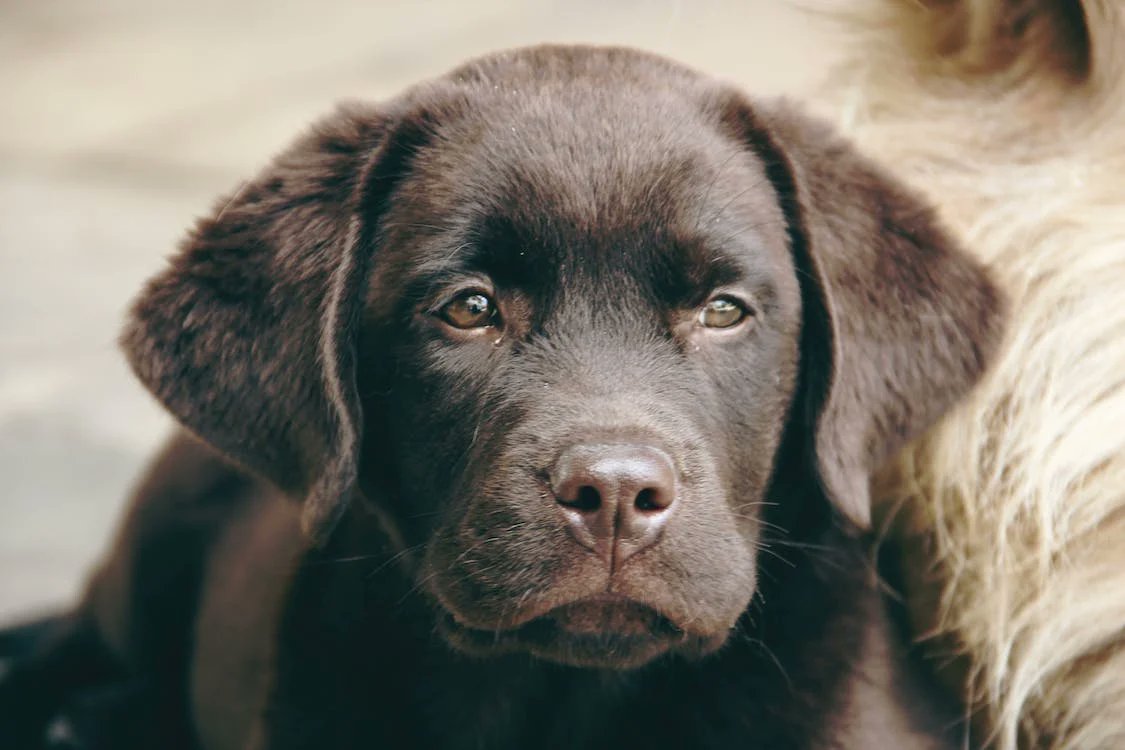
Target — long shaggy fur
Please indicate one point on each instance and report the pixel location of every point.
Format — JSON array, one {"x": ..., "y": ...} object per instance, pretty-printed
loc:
[{"x": 1010, "y": 115}]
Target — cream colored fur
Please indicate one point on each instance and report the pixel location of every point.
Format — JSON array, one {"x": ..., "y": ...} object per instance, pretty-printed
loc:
[{"x": 1012, "y": 511}]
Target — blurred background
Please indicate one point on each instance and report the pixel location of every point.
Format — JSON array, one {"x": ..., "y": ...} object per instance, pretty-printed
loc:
[{"x": 122, "y": 120}]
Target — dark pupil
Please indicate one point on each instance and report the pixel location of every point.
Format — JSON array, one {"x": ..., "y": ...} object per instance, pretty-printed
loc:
[{"x": 476, "y": 304}]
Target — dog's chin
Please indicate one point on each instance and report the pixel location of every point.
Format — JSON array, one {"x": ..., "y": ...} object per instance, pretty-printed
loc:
[{"x": 594, "y": 633}]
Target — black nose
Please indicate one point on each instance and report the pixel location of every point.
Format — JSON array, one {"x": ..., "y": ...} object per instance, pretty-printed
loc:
[{"x": 617, "y": 498}]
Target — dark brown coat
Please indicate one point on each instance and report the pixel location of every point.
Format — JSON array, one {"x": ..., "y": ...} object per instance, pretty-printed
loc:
[{"x": 430, "y": 582}]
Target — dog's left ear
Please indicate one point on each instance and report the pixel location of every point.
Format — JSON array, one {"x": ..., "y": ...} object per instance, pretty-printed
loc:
[
  {"x": 899, "y": 321},
  {"x": 248, "y": 337}
]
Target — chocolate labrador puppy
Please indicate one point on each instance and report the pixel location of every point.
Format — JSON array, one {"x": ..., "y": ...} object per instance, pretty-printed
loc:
[{"x": 535, "y": 407}]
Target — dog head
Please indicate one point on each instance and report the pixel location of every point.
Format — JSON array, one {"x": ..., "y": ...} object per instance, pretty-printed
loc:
[{"x": 558, "y": 315}]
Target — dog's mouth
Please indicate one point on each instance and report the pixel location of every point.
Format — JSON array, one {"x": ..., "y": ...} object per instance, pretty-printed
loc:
[{"x": 604, "y": 631}]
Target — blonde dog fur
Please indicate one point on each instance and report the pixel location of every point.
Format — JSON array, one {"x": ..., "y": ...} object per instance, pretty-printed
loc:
[{"x": 1010, "y": 115}]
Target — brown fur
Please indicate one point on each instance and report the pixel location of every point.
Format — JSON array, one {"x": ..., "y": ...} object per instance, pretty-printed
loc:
[{"x": 437, "y": 598}]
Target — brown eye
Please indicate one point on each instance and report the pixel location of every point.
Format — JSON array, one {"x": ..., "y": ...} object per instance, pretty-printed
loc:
[
  {"x": 472, "y": 310},
  {"x": 722, "y": 312}
]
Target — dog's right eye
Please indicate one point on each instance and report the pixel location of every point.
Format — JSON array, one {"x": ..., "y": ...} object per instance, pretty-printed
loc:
[{"x": 470, "y": 310}]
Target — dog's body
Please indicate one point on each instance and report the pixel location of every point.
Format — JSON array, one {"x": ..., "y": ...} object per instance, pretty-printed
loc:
[{"x": 579, "y": 364}]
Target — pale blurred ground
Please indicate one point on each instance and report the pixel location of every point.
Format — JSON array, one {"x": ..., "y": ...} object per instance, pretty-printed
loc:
[{"x": 120, "y": 121}]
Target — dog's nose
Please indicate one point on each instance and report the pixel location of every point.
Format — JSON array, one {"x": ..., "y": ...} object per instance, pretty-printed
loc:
[{"x": 617, "y": 498}]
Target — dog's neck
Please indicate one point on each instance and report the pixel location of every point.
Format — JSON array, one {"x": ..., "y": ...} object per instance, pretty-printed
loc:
[{"x": 815, "y": 662}]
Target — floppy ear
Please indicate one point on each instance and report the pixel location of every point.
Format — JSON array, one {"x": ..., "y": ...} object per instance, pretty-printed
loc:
[
  {"x": 248, "y": 336},
  {"x": 900, "y": 322}
]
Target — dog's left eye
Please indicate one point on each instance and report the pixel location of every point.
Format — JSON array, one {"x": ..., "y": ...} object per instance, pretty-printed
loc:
[
  {"x": 722, "y": 312},
  {"x": 470, "y": 310}
]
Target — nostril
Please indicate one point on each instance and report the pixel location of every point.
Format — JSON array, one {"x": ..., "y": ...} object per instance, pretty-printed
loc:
[
  {"x": 586, "y": 499},
  {"x": 649, "y": 500}
]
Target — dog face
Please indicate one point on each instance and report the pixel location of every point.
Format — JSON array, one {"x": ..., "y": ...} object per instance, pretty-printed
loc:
[
  {"x": 593, "y": 363},
  {"x": 556, "y": 315}
]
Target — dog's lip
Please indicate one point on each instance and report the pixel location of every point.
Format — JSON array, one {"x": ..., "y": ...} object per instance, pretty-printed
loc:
[
  {"x": 608, "y": 597},
  {"x": 578, "y": 615},
  {"x": 614, "y": 614},
  {"x": 601, "y": 631}
]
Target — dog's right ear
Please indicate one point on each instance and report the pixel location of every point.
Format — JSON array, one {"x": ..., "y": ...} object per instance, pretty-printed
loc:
[{"x": 248, "y": 337}]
